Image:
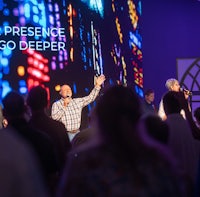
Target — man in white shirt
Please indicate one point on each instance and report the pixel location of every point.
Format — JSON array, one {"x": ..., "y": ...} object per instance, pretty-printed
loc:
[{"x": 68, "y": 110}]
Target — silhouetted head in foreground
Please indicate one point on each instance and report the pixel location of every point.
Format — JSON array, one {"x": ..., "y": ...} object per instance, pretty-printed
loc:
[
  {"x": 157, "y": 128},
  {"x": 117, "y": 113},
  {"x": 13, "y": 106},
  {"x": 37, "y": 98}
]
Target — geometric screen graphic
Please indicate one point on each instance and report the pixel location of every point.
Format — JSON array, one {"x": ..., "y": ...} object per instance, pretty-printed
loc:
[
  {"x": 189, "y": 77},
  {"x": 50, "y": 43}
]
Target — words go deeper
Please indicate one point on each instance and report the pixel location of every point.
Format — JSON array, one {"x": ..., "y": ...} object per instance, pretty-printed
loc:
[{"x": 33, "y": 32}]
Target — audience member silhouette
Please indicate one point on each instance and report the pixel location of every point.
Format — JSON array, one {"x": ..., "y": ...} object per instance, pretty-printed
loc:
[
  {"x": 157, "y": 128},
  {"x": 181, "y": 142},
  {"x": 14, "y": 111},
  {"x": 82, "y": 137},
  {"x": 1, "y": 117},
  {"x": 38, "y": 103},
  {"x": 197, "y": 116},
  {"x": 19, "y": 170},
  {"x": 197, "y": 182},
  {"x": 86, "y": 135},
  {"x": 122, "y": 160},
  {"x": 194, "y": 125}
]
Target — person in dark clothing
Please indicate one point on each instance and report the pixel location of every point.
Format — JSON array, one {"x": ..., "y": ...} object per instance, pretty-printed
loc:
[
  {"x": 197, "y": 116},
  {"x": 120, "y": 160},
  {"x": 157, "y": 128},
  {"x": 19, "y": 170},
  {"x": 148, "y": 106},
  {"x": 181, "y": 140},
  {"x": 14, "y": 111},
  {"x": 38, "y": 103},
  {"x": 82, "y": 137},
  {"x": 1, "y": 117}
]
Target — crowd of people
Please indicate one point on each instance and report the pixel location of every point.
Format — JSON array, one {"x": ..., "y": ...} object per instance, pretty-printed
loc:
[{"x": 130, "y": 148}]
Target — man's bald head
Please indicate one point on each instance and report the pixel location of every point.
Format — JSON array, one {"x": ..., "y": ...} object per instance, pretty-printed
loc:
[{"x": 65, "y": 91}]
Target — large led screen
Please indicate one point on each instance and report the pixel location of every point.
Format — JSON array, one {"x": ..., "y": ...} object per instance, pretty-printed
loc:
[{"x": 50, "y": 43}]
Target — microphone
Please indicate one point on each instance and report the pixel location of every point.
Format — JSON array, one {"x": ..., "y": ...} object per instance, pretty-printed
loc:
[
  {"x": 67, "y": 96},
  {"x": 187, "y": 92}
]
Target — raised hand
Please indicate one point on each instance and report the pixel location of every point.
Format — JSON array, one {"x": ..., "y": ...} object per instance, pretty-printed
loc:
[{"x": 100, "y": 80}]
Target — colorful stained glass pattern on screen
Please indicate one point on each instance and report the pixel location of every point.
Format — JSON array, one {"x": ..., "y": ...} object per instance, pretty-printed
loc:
[{"x": 49, "y": 42}]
